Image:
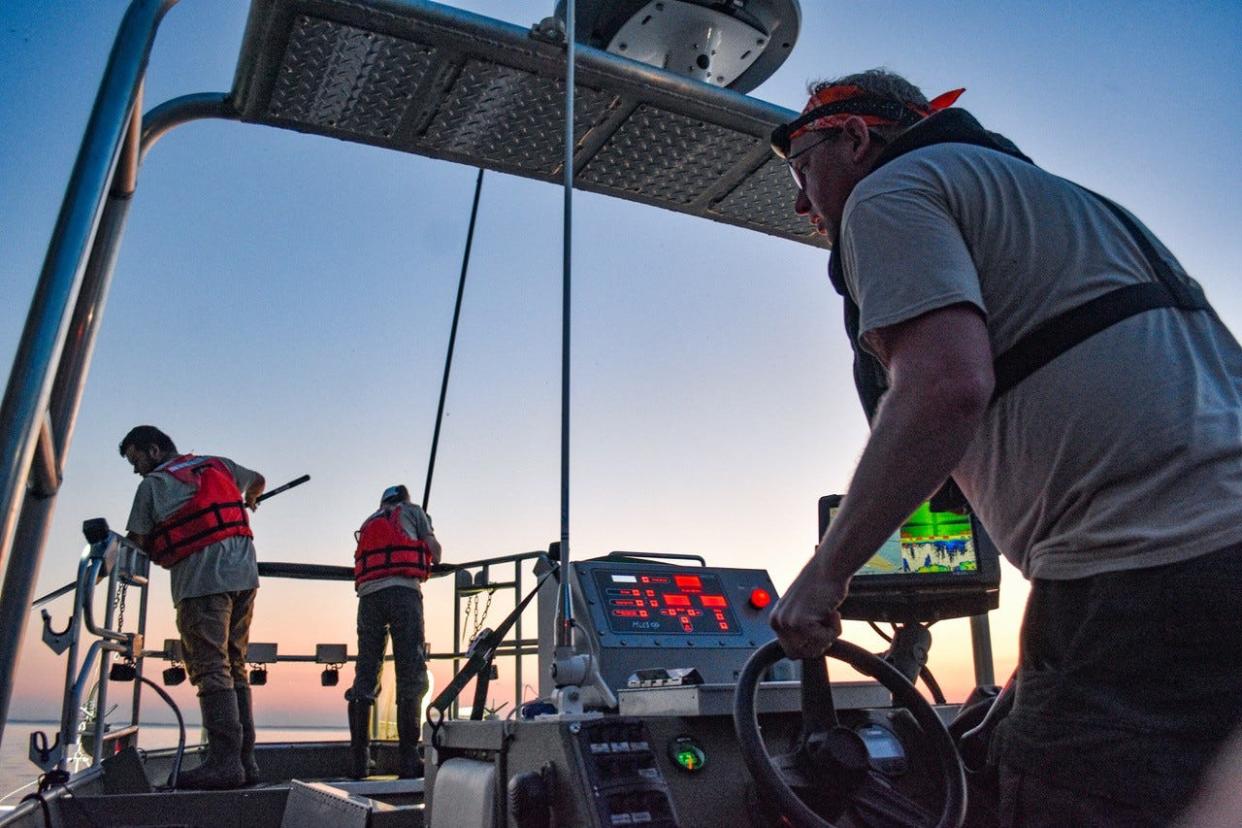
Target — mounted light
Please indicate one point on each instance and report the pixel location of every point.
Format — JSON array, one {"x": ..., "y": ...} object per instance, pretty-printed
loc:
[
  {"x": 737, "y": 44},
  {"x": 174, "y": 675},
  {"x": 259, "y": 655}
]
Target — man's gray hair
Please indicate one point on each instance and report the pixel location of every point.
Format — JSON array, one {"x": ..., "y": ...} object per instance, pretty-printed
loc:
[{"x": 883, "y": 84}]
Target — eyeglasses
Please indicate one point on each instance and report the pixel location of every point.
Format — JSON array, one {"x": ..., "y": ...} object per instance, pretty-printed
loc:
[{"x": 798, "y": 176}]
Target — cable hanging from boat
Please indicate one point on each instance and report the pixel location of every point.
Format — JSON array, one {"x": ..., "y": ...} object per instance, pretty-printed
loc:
[{"x": 448, "y": 359}]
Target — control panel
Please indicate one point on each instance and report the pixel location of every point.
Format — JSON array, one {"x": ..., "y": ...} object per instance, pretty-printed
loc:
[
  {"x": 695, "y": 621},
  {"x": 622, "y": 772},
  {"x": 667, "y": 604}
]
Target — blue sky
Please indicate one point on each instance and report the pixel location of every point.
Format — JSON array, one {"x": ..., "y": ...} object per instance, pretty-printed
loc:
[{"x": 285, "y": 300}]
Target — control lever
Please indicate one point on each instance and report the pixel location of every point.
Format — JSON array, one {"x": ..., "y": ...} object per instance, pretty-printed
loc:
[{"x": 908, "y": 650}]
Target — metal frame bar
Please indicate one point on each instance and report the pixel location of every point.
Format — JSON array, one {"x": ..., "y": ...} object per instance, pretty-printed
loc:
[
  {"x": 63, "y": 321},
  {"x": 40, "y": 406}
]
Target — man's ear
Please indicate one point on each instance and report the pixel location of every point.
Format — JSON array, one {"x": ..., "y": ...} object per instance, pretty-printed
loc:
[{"x": 859, "y": 136}]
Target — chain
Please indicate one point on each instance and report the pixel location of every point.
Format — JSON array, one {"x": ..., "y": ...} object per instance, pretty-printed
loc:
[
  {"x": 471, "y": 603},
  {"x": 475, "y": 618},
  {"x": 482, "y": 616},
  {"x": 120, "y": 607}
]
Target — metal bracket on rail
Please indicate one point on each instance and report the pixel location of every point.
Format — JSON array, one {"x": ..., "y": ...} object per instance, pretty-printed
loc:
[
  {"x": 45, "y": 756},
  {"x": 58, "y": 641}
]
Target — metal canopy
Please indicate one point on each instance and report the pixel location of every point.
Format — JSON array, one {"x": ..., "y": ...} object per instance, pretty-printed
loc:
[{"x": 424, "y": 78}]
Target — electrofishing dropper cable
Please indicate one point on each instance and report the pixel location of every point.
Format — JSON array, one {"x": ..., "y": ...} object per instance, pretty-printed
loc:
[{"x": 448, "y": 359}]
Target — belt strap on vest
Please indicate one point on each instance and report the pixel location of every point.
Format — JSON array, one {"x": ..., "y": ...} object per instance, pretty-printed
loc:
[{"x": 1057, "y": 335}]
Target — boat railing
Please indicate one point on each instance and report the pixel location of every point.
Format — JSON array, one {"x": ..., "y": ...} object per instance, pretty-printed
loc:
[
  {"x": 110, "y": 556},
  {"x": 106, "y": 555}
]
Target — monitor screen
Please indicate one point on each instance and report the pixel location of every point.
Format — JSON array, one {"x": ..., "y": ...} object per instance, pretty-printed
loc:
[
  {"x": 928, "y": 543},
  {"x": 938, "y": 565}
]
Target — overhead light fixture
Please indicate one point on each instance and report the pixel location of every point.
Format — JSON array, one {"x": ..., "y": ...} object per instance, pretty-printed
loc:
[{"x": 736, "y": 44}]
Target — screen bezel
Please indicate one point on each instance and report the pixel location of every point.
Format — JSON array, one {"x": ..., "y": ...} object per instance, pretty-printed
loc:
[{"x": 927, "y": 596}]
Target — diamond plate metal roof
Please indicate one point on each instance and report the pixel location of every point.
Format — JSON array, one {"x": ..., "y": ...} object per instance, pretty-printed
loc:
[{"x": 425, "y": 78}]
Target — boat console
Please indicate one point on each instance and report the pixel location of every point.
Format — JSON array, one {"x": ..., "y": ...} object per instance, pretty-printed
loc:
[{"x": 694, "y": 718}]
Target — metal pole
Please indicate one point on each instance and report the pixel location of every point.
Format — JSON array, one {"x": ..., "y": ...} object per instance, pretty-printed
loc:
[
  {"x": 456, "y": 636},
  {"x": 105, "y": 665},
  {"x": 140, "y": 661},
  {"x": 517, "y": 635},
  {"x": 564, "y": 636},
  {"x": 448, "y": 359},
  {"x": 981, "y": 644},
  {"x": 30, "y": 387}
]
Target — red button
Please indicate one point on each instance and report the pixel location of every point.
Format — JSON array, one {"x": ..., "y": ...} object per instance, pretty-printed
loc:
[{"x": 760, "y": 598}]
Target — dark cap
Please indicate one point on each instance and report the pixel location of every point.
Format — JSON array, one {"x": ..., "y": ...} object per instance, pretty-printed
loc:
[{"x": 394, "y": 494}]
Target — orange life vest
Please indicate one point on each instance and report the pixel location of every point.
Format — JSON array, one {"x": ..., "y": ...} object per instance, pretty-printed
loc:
[
  {"x": 386, "y": 551},
  {"x": 215, "y": 512}
]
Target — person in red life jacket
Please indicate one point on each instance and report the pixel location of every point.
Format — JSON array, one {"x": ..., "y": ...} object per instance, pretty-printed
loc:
[
  {"x": 396, "y": 550},
  {"x": 1035, "y": 342},
  {"x": 189, "y": 516}
]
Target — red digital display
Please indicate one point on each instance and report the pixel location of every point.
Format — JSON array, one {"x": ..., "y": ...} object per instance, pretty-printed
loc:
[{"x": 670, "y": 603}]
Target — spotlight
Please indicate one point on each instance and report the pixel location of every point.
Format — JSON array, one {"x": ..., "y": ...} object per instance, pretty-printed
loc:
[
  {"x": 330, "y": 676},
  {"x": 258, "y": 676},
  {"x": 174, "y": 675}
]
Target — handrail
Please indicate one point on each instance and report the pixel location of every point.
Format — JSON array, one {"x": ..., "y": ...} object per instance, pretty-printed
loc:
[{"x": 54, "y": 352}]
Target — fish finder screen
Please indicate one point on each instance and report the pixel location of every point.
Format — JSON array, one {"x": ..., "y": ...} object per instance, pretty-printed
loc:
[
  {"x": 665, "y": 603},
  {"x": 929, "y": 543}
]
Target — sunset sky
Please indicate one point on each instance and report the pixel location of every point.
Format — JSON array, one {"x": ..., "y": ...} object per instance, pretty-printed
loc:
[{"x": 285, "y": 300}]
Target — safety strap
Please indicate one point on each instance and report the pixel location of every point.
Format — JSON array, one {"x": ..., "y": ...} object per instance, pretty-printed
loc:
[
  {"x": 1060, "y": 333},
  {"x": 216, "y": 509},
  {"x": 480, "y": 657},
  {"x": 424, "y": 556}
]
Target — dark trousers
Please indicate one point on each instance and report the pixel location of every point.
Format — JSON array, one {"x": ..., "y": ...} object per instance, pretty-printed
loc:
[
  {"x": 396, "y": 612},
  {"x": 1128, "y": 684},
  {"x": 215, "y": 632}
]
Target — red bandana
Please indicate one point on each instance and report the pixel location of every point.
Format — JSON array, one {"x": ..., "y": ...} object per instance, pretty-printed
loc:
[{"x": 907, "y": 113}]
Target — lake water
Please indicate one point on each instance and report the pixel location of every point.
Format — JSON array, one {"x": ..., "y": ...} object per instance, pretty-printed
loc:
[{"x": 18, "y": 773}]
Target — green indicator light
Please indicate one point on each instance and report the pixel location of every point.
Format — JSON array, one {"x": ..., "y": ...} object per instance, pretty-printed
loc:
[{"x": 689, "y": 757}]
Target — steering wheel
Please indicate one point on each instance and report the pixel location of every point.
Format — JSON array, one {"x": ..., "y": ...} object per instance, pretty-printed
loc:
[{"x": 831, "y": 765}]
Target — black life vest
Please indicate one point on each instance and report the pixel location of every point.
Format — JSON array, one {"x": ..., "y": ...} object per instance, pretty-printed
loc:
[{"x": 1051, "y": 338}]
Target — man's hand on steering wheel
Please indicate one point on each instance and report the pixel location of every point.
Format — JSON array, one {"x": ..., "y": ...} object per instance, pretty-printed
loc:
[{"x": 806, "y": 618}]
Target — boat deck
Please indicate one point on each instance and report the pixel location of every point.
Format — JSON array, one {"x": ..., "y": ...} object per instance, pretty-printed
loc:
[{"x": 302, "y": 786}]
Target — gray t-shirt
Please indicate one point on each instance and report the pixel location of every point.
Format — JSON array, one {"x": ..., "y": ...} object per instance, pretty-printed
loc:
[
  {"x": 225, "y": 566},
  {"x": 417, "y": 525},
  {"x": 1124, "y": 452}
]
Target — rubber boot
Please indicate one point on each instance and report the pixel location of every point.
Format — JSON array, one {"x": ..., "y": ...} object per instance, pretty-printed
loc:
[
  {"x": 222, "y": 768},
  {"x": 409, "y": 722},
  {"x": 360, "y": 738},
  {"x": 245, "y": 714}
]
